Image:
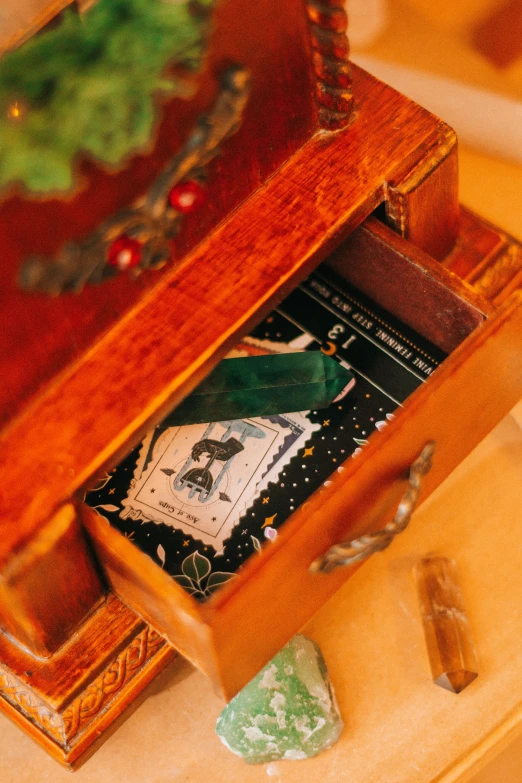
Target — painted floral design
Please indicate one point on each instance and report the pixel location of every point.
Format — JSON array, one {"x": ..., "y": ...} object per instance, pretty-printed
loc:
[{"x": 198, "y": 579}]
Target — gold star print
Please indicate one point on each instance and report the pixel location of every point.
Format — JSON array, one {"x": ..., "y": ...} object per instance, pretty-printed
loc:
[
  {"x": 186, "y": 543},
  {"x": 269, "y": 320},
  {"x": 308, "y": 452},
  {"x": 326, "y": 423},
  {"x": 112, "y": 491},
  {"x": 265, "y": 501},
  {"x": 268, "y": 521}
]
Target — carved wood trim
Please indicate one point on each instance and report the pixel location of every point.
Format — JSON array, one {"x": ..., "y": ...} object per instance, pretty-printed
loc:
[
  {"x": 85, "y": 708},
  {"x": 25, "y": 700},
  {"x": 328, "y": 22},
  {"x": 65, "y": 727}
]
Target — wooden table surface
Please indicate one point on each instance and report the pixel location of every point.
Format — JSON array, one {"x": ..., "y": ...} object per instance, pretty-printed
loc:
[{"x": 399, "y": 727}]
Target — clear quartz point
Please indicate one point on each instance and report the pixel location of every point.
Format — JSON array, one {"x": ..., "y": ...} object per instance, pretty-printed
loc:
[{"x": 446, "y": 628}]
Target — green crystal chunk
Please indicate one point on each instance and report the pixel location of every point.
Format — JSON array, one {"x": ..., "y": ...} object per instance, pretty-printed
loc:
[
  {"x": 288, "y": 711},
  {"x": 263, "y": 386}
]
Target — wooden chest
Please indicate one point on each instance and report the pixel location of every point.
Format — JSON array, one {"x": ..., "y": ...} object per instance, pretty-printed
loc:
[{"x": 370, "y": 185}]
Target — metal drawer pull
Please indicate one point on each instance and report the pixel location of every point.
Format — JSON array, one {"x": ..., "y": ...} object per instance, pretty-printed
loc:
[{"x": 359, "y": 549}]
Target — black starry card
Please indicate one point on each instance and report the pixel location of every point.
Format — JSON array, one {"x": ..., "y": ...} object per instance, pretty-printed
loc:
[{"x": 201, "y": 499}]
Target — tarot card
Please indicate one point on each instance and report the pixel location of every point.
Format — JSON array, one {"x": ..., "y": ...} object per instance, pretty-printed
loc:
[{"x": 201, "y": 478}]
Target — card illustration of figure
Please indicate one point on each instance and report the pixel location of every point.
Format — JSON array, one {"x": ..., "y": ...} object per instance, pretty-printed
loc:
[{"x": 200, "y": 478}]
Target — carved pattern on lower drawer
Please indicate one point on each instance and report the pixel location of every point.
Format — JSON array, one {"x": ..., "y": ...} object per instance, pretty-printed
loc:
[
  {"x": 111, "y": 681},
  {"x": 24, "y": 699},
  {"x": 65, "y": 726}
]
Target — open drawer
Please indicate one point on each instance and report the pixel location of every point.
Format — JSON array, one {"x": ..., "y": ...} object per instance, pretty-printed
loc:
[{"x": 234, "y": 633}]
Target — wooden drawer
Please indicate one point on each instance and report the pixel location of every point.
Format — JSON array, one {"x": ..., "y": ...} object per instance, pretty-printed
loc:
[
  {"x": 283, "y": 193},
  {"x": 234, "y": 634}
]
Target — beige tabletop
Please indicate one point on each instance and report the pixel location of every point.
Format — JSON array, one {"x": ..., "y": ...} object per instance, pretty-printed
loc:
[{"x": 399, "y": 727}]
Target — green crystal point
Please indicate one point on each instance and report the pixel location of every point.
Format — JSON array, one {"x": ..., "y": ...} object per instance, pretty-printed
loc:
[
  {"x": 264, "y": 386},
  {"x": 288, "y": 711}
]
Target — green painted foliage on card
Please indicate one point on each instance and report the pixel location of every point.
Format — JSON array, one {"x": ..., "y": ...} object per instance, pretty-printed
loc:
[{"x": 197, "y": 579}]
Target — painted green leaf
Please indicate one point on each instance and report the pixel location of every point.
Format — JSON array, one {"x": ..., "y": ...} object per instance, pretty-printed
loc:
[
  {"x": 196, "y": 566},
  {"x": 217, "y": 579},
  {"x": 186, "y": 583}
]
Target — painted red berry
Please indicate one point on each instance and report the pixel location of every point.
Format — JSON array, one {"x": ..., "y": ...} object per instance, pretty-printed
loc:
[
  {"x": 124, "y": 253},
  {"x": 187, "y": 197}
]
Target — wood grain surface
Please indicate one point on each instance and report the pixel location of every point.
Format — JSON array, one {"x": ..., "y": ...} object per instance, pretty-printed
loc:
[
  {"x": 487, "y": 258},
  {"x": 478, "y": 243},
  {"x": 48, "y": 589},
  {"x": 410, "y": 285},
  {"x": 422, "y": 201},
  {"x": 41, "y": 336}
]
